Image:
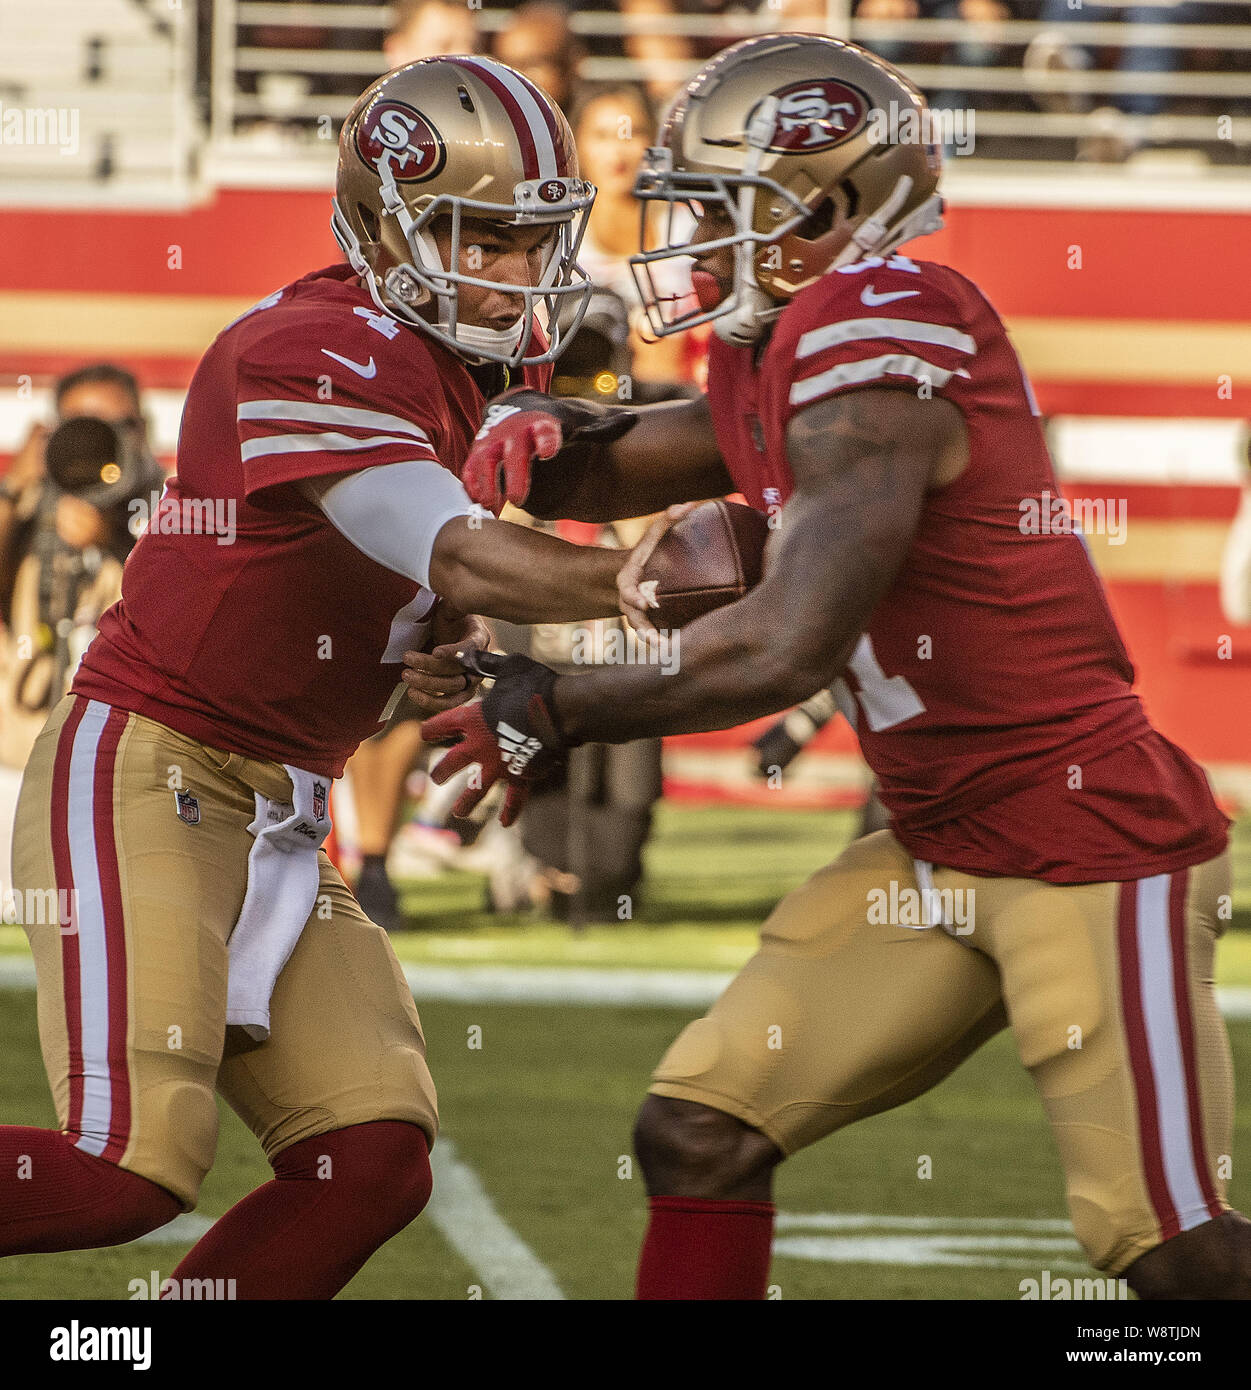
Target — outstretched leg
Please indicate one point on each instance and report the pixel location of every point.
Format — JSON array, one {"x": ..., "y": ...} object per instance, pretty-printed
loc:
[{"x": 53, "y": 1196}]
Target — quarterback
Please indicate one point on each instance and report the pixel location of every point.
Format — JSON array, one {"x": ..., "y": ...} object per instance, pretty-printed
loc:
[
  {"x": 874, "y": 404},
  {"x": 178, "y": 796}
]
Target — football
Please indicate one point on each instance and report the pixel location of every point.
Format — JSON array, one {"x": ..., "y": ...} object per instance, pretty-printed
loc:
[{"x": 713, "y": 556}]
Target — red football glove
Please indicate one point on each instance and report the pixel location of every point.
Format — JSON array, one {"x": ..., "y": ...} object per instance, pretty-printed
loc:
[
  {"x": 524, "y": 426},
  {"x": 512, "y": 732}
]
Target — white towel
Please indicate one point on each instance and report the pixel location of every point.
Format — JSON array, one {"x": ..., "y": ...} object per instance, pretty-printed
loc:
[
  {"x": 925, "y": 886},
  {"x": 282, "y": 892}
]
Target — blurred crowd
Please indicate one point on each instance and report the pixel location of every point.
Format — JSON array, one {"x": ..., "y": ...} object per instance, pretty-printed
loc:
[{"x": 1051, "y": 69}]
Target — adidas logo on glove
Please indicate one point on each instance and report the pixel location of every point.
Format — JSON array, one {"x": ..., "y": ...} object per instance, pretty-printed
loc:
[{"x": 516, "y": 748}]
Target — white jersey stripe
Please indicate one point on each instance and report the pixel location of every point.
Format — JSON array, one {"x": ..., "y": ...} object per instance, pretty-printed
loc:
[
  {"x": 906, "y": 330},
  {"x": 318, "y": 413},
  {"x": 1159, "y": 1010},
  {"x": 520, "y": 93},
  {"x": 328, "y": 443},
  {"x": 871, "y": 369},
  {"x": 91, "y": 940}
]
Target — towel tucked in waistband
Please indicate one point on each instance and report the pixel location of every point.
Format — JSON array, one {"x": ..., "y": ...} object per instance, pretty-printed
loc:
[{"x": 283, "y": 876}]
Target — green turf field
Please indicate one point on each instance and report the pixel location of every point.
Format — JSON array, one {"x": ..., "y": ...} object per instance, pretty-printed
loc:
[{"x": 539, "y": 1116}]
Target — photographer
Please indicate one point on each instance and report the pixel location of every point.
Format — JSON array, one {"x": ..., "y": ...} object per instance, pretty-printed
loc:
[{"x": 64, "y": 536}]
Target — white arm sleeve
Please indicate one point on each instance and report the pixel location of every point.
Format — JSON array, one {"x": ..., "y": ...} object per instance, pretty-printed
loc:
[
  {"x": 394, "y": 512},
  {"x": 1236, "y": 565}
]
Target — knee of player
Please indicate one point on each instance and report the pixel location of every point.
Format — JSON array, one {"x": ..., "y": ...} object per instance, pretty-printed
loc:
[
  {"x": 414, "y": 1181},
  {"x": 382, "y": 1168},
  {"x": 693, "y": 1149},
  {"x": 142, "y": 1207}
]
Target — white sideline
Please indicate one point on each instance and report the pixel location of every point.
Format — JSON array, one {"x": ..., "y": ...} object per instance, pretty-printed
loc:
[
  {"x": 529, "y": 984},
  {"x": 466, "y": 1218},
  {"x": 532, "y": 984}
]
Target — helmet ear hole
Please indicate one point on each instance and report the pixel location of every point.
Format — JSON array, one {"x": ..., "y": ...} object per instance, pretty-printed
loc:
[
  {"x": 846, "y": 193},
  {"x": 819, "y": 221},
  {"x": 368, "y": 220}
]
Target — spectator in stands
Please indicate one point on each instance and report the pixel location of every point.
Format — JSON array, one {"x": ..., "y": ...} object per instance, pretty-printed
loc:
[
  {"x": 540, "y": 43},
  {"x": 613, "y": 127},
  {"x": 61, "y": 554},
  {"x": 1053, "y": 51},
  {"x": 661, "y": 51},
  {"x": 657, "y": 52},
  {"x": 970, "y": 52},
  {"x": 429, "y": 28}
]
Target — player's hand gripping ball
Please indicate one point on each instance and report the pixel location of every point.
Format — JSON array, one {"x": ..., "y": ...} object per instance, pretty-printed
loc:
[{"x": 692, "y": 559}]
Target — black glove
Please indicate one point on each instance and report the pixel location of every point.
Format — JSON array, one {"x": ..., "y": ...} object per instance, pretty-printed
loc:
[{"x": 512, "y": 732}]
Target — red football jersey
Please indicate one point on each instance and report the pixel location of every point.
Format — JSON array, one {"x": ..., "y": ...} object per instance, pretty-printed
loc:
[
  {"x": 247, "y": 620},
  {"x": 991, "y": 691}
]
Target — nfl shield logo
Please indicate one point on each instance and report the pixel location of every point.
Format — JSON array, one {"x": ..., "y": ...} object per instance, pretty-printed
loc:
[
  {"x": 319, "y": 801},
  {"x": 188, "y": 807}
]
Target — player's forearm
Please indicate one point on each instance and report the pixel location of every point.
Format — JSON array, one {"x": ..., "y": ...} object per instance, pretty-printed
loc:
[
  {"x": 521, "y": 576},
  {"x": 723, "y": 670},
  {"x": 670, "y": 455},
  {"x": 835, "y": 554}
]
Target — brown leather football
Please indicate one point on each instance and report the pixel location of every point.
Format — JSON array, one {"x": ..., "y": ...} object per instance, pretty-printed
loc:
[{"x": 713, "y": 556}]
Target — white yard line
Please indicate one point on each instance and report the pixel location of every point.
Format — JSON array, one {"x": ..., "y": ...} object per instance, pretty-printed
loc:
[
  {"x": 182, "y": 1230},
  {"x": 466, "y": 1218},
  {"x": 532, "y": 984},
  {"x": 528, "y": 984}
]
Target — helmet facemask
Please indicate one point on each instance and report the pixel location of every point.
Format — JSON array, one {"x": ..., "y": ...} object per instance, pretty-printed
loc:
[
  {"x": 423, "y": 279},
  {"x": 734, "y": 195},
  {"x": 742, "y": 316}
]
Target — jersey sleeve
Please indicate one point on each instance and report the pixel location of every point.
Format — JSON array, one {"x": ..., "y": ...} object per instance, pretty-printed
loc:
[
  {"x": 306, "y": 412},
  {"x": 893, "y": 328}
]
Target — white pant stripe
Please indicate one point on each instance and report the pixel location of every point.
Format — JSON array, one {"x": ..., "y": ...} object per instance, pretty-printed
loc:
[
  {"x": 91, "y": 941},
  {"x": 1159, "y": 1007}
]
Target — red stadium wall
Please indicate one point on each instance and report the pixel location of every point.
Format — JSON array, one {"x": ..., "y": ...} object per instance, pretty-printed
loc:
[{"x": 1115, "y": 312}]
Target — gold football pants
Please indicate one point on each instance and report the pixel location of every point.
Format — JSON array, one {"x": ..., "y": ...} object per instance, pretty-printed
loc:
[
  {"x": 132, "y": 988},
  {"x": 849, "y": 1009}
]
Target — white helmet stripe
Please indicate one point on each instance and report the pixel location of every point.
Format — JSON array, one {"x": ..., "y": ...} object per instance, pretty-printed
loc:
[{"x": 498, "y": 76}]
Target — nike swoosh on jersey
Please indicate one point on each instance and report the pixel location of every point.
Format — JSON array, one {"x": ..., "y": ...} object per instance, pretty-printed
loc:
[
  {"x": 366, "y": 369},
  {"x": 867, "y": 296}
]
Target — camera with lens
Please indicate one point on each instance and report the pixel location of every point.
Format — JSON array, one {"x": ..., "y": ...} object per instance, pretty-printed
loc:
[{"x": 99, "y": 462}]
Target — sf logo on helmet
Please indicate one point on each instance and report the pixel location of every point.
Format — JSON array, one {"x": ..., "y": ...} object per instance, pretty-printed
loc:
[
  {"x": 817, "y": 115},
  {"x": 397, "y": 132}
]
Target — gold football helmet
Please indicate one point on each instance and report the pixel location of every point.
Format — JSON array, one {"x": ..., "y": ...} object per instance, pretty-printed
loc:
[
  {"x": 462, "y": 137},
  {"x": 818, "y": 153}
]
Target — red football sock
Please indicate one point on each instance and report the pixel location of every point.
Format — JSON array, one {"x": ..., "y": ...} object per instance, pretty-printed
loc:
[
  {"x": 56, "y": 1197},
  {"x": 699, "y": 1249},
  {"x": 334, "y": 1200}
]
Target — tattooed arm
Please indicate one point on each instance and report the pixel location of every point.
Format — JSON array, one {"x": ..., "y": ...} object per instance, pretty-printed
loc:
[{"x": 862, "y": 464}]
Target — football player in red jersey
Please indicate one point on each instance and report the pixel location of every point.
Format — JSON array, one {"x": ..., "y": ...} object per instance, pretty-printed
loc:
[
  {"x": 1053, "y": 863},
  {"x": 176, "y": 801}
]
